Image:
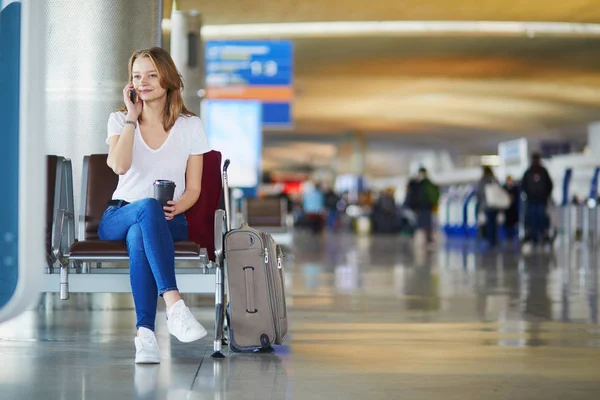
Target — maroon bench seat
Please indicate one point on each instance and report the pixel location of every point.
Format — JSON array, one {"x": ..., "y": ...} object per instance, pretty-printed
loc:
[
  {"x": 96, "y": 250},
  {"x": 99, "y": 183}
]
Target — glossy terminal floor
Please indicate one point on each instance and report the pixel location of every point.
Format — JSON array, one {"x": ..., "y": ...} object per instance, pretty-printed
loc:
[{"x": 371, "y": 318}]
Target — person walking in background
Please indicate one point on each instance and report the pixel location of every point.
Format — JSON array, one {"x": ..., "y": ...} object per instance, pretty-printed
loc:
[
  {"x": 490, "y": 212},
  {"x": 331, "y": 204},
  {"x": 385, "y": 215},
  {"x": 313, "y": 207},
  {"x": 411, "y": 200},
  {"x": 511, "y": 214},
  {"x": 426, "y": 201},
  {"x": 537, "y": 186}
]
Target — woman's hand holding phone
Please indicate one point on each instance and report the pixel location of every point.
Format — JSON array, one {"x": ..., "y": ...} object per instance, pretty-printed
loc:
[{"x": 134, "y": 109}]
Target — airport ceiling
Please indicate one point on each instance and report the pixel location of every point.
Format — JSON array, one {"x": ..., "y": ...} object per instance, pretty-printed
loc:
[
  {"x": 218, "y": 12},
  {"x": 463, "y": 92}
]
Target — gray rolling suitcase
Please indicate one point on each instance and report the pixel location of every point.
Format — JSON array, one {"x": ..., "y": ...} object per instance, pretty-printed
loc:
[{"x": 257, "y": 311}]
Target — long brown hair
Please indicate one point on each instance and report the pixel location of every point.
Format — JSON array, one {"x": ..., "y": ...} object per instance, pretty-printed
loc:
[{"x": 170, "y": 79}]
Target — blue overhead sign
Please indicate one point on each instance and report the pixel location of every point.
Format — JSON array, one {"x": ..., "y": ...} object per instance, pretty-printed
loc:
[
  {"x": 249, "y": 63},
  {"x": 253, "y": 70}
]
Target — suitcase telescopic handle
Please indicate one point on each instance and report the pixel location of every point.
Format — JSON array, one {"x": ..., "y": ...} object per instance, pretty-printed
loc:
[{"x": 226, "y": 194}]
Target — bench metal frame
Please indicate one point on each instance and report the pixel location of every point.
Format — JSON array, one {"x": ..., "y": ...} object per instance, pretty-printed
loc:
[{"x": 86, "y": 275}]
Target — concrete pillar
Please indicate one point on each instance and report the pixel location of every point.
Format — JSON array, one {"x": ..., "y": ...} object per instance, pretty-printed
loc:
[
  {"x": 351, "y": 154},
  {"x": 187, "y": 53},
  {"x": 88, "y": 45}
]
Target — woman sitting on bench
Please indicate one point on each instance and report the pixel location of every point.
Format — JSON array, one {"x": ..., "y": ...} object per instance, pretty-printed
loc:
[{"x": 154, "y": 137}]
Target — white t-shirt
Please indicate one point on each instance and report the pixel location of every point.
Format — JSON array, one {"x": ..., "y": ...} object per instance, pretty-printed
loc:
[{"x": 169, "y": 161}]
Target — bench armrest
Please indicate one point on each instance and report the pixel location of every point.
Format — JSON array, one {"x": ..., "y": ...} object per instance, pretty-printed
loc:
[{"x": 64, "y": 221}]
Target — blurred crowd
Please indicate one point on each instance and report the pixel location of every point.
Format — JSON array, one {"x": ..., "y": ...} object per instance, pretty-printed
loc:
[{"x": 317, "y": 206}]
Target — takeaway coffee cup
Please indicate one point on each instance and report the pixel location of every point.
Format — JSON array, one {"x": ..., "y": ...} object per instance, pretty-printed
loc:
[{"x": 163, "y": 191}]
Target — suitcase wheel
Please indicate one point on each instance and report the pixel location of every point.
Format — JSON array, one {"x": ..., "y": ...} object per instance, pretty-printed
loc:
[
  {"x": 265, "y": 345},
  {"x": 264, "y": 341}
]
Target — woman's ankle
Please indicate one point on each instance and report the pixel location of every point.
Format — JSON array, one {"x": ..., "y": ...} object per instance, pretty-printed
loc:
[
  {"x": 171, "y": 297},
  {"x": 144, "y": 331}
]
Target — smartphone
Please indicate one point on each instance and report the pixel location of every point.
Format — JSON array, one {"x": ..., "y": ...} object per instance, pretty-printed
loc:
[{"x": 133, "y": 96}]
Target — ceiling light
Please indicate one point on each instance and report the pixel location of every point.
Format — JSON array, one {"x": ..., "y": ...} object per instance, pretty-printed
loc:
[{"x": 397, "y": 28}]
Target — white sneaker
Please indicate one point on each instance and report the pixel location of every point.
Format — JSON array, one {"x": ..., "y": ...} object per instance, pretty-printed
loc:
[
  {"x": 146, "y": 347},
  {"x": 183, "y": 325}
]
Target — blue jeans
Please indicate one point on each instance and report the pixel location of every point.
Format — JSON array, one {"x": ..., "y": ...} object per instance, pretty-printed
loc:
[
  {"x": 425, "y": 221},
  {"x": 331, "y": 218},
  {"x": 536, "y": 216},
  {"x": 491, "y": 226},
  {"x": 150, "y": 239}
]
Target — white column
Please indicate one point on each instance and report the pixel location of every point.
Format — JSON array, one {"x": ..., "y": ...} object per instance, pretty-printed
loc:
[
  {"x": 188, "y": 57},
  {"x": 88, "y": 46},
  {"x": 594, "y": 139}
]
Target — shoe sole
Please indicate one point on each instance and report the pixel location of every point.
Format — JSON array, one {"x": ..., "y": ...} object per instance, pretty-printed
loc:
[
  {"x": 147, "y": 360},
  {"x": 203, "y": 334}
]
